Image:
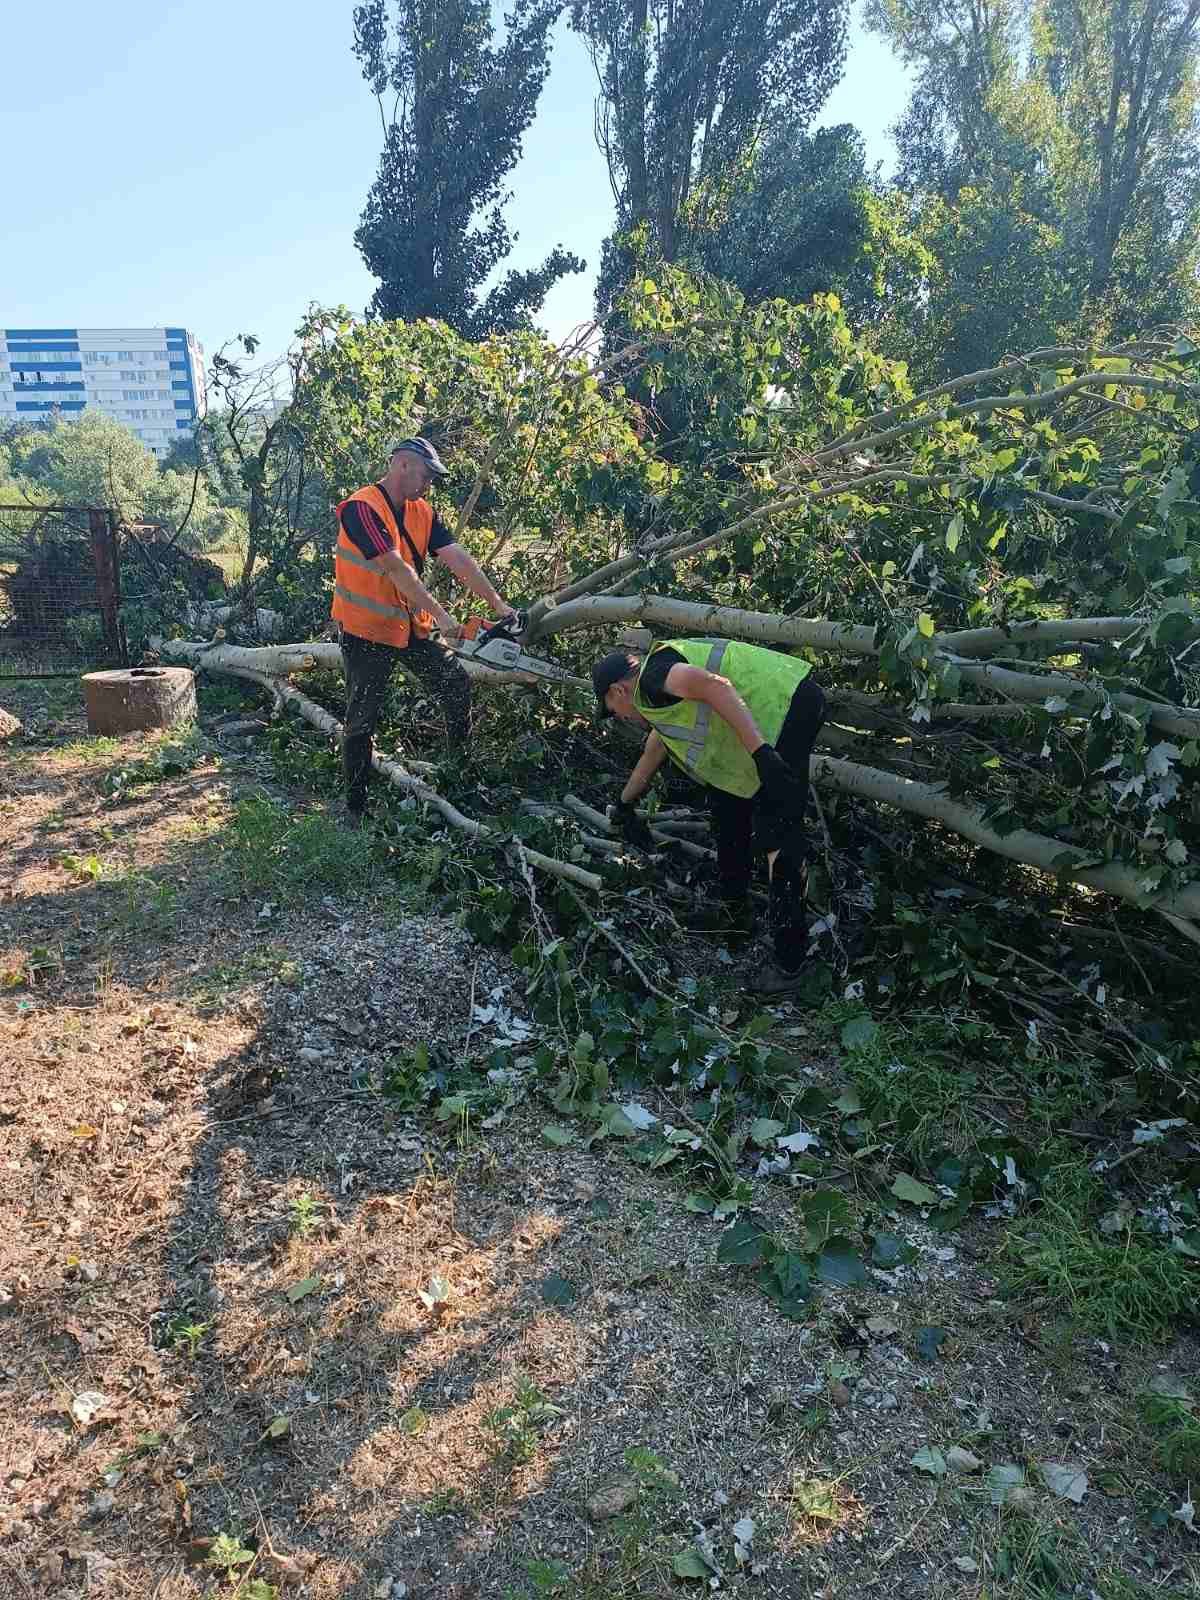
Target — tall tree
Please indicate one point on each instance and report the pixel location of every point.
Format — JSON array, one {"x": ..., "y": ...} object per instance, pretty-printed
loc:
[
  {"x": 1081, "y": 114},
  {"x": 963, "y": 51},
  {"x": 808, "y": 217},
  {"x": 1123, "y": 78},
  {"x": 688, "y": 88},
  {"x": 453, "y": 107}
]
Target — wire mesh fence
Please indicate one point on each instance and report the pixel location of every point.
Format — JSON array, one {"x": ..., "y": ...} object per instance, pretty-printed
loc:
[{"x": 60, "y": 591}]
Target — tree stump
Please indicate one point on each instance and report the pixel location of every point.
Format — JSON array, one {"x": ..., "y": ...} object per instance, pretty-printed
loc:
[
  {"x": 9, "y": 726},
  {"x": 139, "y": 698}
]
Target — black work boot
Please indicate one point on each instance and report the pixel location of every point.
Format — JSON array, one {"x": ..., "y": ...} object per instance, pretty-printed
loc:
[{"x": 789, "y": 931}]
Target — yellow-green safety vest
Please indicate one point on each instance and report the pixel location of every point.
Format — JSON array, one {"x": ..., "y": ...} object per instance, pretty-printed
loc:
[{"x": 700, "y": 741}]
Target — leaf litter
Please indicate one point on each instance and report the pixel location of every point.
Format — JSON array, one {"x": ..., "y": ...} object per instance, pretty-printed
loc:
[{"x": 693, "y": 1357}]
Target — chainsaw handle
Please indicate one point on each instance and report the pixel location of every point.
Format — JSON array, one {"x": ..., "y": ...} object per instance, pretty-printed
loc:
[{"x": 510, "y": 627}]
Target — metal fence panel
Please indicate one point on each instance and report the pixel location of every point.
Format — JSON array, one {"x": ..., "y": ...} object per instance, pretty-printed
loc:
[{"x": 60, "y": 591}]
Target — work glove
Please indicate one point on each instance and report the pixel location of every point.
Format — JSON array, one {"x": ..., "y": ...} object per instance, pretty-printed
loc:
[
  {"x": 630, "y": 826},
  {"x": 780, "y": 785}
]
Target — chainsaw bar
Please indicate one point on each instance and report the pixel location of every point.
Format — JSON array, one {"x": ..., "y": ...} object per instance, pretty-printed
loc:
[{"x": 499, "y": 647}]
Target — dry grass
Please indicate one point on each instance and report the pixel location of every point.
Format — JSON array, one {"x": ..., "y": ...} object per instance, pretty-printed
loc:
[{"x": 160, "y": 1127}]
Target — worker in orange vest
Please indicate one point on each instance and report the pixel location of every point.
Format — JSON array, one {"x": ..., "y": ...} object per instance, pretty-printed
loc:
[{"x": 386, "y": 614}]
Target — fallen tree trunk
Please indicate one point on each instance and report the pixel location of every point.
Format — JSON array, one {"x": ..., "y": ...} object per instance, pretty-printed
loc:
[
  {"x": 761, "y": 626},
  {"x": 850, "y": 639},
  {"x": 928, "y": 801},
  {"x": 1030, "y": 849},
  {"x": 274, "y": 659}
]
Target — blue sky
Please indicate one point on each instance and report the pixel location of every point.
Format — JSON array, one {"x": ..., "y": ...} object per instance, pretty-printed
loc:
[{"x": 206, "y": 165}]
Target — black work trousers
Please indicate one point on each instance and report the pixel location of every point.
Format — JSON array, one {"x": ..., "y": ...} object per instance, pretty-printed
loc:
[
  {"x": 369, "y": 667},
  {"x": 742, "y": 826}
]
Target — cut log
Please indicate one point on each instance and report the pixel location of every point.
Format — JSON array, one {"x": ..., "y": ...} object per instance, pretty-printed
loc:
[
  {"x": 136, "y": 699},
  {"x": 286, "y": 658}
]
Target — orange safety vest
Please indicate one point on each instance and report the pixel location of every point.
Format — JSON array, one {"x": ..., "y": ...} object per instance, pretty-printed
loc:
[{"x": 365, "y": 600}]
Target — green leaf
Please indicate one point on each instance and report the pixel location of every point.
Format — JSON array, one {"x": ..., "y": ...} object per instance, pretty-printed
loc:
[
  {"x": 946, "y": 1218},
  {"x": 764, "y": 1129},
  {"x": 859, "y": 1033},
  {"x": 414, "y": 1422},
  {"x": 278, "y": 1428},
  {"x": 925, "y": 625},
  {"x": 1171, "y": 628},
  {"x": 931, "y": 1460},
  {"x": 950, "y": 1171},
  {"x": 917, "y": 1194},
  {"x": 840, "y": 1262},
  {"x": 848, "y": 1102},
  {"x": 954, "y": 532},
  {"x": 304, "y": 1287},
  {"x": 825, "y": 1211},
  {"x": 557, "y": 1291},
  {"x": 743, "y": 1243},
  {"x": 690, "y": 1564},
  {"x": 786, "y": 1282},
  {"x": 929, "y": 1341},
  {"x": 702, "y": 1204},
  {"x": 557, "y": 1136},
  {"x": 888, "y": 1250},
  {"x": 616, "y": 1122},
  {"x": 1001, "y": 1480}
]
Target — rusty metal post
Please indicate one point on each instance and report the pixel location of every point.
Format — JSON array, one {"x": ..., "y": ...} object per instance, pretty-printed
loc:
[
  {"x": 103, "y": 532},
  {"x": 114, "y": 537}
]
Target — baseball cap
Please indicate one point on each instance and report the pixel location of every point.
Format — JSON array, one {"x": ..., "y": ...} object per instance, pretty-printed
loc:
[
  {"x": 422, "y": 447},
  {"x": 610, "y": 669}
]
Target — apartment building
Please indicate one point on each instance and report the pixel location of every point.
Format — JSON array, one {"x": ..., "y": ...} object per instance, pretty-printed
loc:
[{"x": 151, "y": 379}]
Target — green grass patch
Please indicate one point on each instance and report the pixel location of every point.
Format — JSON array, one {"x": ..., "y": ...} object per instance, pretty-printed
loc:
[
  {"x": 271, "y": 848},
  {"x": 938, "y": 1082},
  {"x": 1121, "y": 1284},
  {"x": 169, "y": 755},
  {"x": 1176, "y": 1432},
  {"x": 99, "y": 747}
]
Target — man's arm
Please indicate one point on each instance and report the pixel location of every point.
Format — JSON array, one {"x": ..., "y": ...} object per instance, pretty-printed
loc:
[
  {"x": 415, "y": 593},
  {"x": 472, "y": 576},
  {"x": 654, "y": 753},
  {"x": 694, "y": 683}
]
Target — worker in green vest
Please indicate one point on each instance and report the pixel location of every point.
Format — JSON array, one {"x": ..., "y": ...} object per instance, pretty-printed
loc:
[{"x": 742, "y": 721}]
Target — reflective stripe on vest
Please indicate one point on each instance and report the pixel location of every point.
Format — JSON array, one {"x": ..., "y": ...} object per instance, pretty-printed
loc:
[
  {"x": 695, "y": 735},
  {"x": 701, "y": 741},
  {"x": 370, "y": 605},
  {"x": 366, "y": 601}
]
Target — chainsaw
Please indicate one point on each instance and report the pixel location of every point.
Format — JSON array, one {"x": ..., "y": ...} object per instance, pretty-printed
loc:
[{"x": 499, "y": 647}]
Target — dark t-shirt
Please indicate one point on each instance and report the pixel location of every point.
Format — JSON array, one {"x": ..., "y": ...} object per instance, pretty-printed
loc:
[
  {"x": 364, "y": 528},
  {"x": 652, "y": 683}
]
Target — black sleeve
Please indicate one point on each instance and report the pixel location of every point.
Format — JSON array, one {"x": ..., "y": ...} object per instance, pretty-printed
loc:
[
  {"x": 440, "y": 536},
  {"x": 365, "y": 529},
  {"x": 651, "y": 684}
]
